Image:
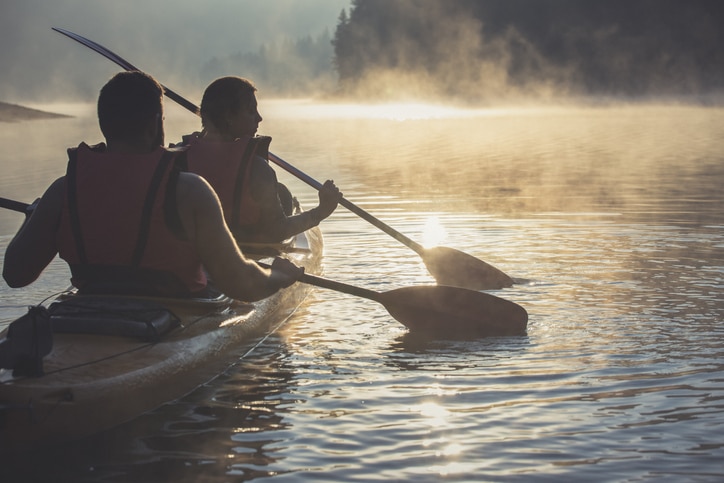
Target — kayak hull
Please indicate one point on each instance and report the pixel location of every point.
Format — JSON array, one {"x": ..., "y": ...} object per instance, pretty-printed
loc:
[{"x": 94, "y": 382}]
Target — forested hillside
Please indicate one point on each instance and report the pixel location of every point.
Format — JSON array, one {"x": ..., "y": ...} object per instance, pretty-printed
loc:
[
  {"x": 490, "y": 49},
  {"x": 288, "y": 67}
]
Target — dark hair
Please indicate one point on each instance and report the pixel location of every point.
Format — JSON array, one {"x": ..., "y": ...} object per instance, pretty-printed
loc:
[
  {"x": 127, "y": 103},
  {"x": 224, "y": 97}
]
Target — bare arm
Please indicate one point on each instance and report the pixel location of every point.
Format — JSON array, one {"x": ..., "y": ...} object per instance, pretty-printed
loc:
[
  {"x": 232, "y": 273},
  {"x": 34, "y": 246},
  {"x": 275, "y": 225}
]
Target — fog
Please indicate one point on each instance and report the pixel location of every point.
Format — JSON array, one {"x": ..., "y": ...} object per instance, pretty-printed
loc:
[
  {"x": 461, "y": 51},
  {"x": 171, "y": 39},
  {"x": 489, "y": 50}
]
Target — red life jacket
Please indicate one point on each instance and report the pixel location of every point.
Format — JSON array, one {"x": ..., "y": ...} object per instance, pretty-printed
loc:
[
  {"x": 227, "y": 167},
  {"x": 113, "y": 230}
]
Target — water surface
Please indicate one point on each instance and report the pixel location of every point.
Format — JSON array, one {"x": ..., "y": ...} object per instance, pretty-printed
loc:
[{"x": 611, "y": 219}]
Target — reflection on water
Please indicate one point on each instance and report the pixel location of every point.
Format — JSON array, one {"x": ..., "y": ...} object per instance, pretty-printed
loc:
[{"x": 610, "y": 219}]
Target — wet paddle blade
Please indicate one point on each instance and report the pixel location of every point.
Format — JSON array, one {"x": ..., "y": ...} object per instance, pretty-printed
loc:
[
  {"x": 453, "y": 312},
  {"x": 458, "y": 269}
]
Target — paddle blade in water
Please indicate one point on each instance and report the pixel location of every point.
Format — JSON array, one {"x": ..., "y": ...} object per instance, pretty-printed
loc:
[
  {"x": 458, "y": 269},
  {"x": 452, "y": 312}
]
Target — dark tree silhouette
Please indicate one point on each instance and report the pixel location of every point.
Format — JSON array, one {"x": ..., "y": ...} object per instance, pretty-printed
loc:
[{"x": 489, "y": 48}]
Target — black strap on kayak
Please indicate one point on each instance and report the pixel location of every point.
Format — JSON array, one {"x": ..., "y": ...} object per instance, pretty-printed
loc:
[
  {"x": 115, "y": 316},
  {"x": 27, "y": 341},
  {"x": 158, "y": 176},
  {"x": 71, "y": 190}
]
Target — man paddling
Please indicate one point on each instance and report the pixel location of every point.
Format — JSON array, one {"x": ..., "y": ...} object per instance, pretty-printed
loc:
[
  {"x": 126, "y": 220},
  {"x": 229, "y": 155}
]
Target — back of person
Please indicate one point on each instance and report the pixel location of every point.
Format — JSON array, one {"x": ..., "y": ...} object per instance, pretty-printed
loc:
[
  {"x": 125, "y": 220},
  {"x": 234, "y": 161},
  {"x": 114, "y": 230},
  {"x": 227, "y": 166}
]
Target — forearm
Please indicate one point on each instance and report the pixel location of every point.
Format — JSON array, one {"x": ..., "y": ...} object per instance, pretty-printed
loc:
[
  {"x": 274, "y": 225},
  {"x": 285, "y": 227},
  {"x": 33, "y": 247},
  {"x": 16, "y": 270},
  {"x": 249, "y": 282}
]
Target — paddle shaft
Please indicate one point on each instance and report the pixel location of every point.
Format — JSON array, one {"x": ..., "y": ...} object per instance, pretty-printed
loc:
[
  {"x": 14, "y": 205},
  {"x": 340, "y": 287},
  {"x": 349, "y": 205},
  {"x": 334, "y": 285}
]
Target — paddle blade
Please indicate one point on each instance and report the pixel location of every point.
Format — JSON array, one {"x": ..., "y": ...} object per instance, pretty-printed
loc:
[
  {"x": 458, "y": 269},
  {"x": 453, "y": 312}
]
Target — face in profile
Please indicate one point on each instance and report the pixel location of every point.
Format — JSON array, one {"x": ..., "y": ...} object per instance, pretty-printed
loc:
[{"x": 246, "y": 121}]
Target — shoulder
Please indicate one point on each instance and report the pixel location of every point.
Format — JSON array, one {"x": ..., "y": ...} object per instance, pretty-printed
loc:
[
  {"x": 198, "y": 206},
  {"x": 196, "y": 201},
  {"x": 261, "y": 171},
  {"x": 50, "y": 206},
  {"x": 195, "y": 195},
  {"x": 56, "y": 191},
  {"x": 192, "y": 185}
]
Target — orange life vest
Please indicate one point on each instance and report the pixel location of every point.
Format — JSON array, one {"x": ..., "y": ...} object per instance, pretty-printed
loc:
[
  {"x": 227, "y": 167},
  {"x": 113, "y": 231}
]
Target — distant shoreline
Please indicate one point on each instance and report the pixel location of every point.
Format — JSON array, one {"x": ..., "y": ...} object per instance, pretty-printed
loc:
[{"x": 16, "y": 113}]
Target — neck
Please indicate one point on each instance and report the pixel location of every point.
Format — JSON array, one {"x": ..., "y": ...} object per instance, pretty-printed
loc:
[{"x": 214, "y": 135}]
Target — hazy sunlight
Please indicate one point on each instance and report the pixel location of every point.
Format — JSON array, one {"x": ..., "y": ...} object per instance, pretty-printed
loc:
[
  {"x": 433, "y": 233},
  {"x": 397, "y": 111},
  {"x": 436, "y": 413}
]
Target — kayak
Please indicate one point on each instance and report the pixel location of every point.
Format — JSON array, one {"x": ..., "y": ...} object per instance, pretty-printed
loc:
[{"x": 114, "y": 358}]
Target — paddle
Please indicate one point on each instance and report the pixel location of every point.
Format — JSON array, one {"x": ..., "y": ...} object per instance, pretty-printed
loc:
[
  {"x": 15, "y": 206},
  {"x": 447, "y": 265},
  {"x": 436, "y": 310},
  {"x": 439, "y": 310}
]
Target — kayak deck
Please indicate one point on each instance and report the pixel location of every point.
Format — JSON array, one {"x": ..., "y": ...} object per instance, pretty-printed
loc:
[{"x": 93, "y": 382}]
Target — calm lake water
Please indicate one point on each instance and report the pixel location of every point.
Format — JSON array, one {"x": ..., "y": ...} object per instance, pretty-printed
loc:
[{"x": 611, "y": 219}]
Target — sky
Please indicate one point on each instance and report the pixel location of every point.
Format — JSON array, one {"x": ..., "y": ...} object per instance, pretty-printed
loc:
[{"x": 170, "y": 39}]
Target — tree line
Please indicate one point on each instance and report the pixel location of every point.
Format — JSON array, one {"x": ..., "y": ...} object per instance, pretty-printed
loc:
[
  {"x": 288, "y": 67},
  {"x": 483, "y": 49}
]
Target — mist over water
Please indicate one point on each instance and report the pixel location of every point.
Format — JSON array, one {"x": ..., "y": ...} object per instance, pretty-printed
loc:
[
  {"x": 577, "y": 148},
  {"x": 609, "y": 218}
]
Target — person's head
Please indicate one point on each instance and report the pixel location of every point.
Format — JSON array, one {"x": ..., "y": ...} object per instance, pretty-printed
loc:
[
  {"x": 229, "y": 107},
  {"x": 130, "y": 110}
]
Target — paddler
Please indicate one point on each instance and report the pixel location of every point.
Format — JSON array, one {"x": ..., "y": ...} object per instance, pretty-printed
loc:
[
  {"x": 126, "y": 219},
  {"x": 229, "y": 155}
]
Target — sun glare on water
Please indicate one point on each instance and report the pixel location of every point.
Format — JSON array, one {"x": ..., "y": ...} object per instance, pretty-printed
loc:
[{"x": 433, "y": 233}]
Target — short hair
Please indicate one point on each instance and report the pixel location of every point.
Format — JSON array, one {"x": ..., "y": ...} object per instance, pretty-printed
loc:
[
  {"x": 224, "y": 97},
  {"x": 127, "y": 103}
]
